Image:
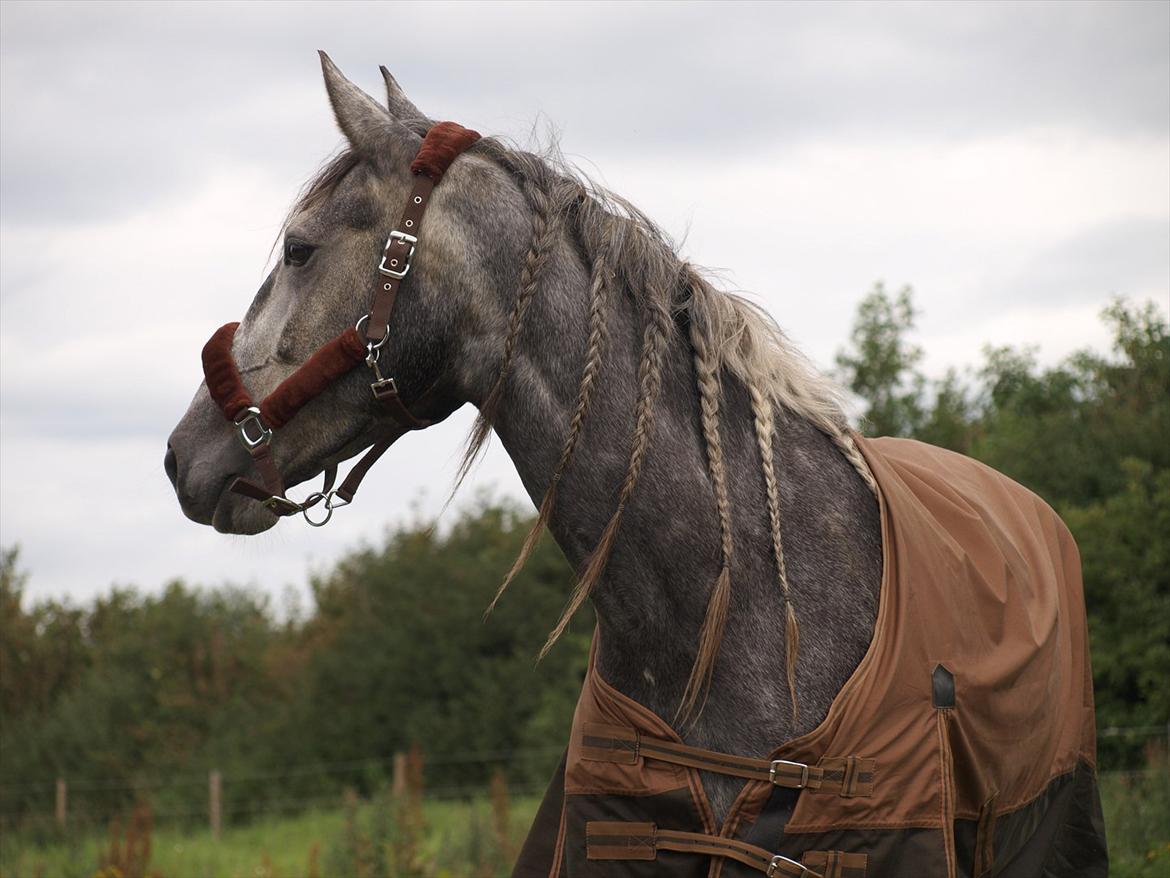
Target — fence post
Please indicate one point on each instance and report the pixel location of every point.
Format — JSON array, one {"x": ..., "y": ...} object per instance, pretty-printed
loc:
[
  {"x": 215, "y": 791},
  {"x": 399, "y": 784},
  {"x": 62, "y": 793}
]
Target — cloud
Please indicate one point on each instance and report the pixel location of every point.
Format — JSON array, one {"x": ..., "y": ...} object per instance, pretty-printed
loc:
[
  {"x": 1009, "y": 161},
  {"x": 110, "y": 106}
]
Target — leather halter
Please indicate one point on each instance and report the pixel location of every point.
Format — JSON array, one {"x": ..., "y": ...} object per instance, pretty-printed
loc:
[{"x": 255, "y": 423}]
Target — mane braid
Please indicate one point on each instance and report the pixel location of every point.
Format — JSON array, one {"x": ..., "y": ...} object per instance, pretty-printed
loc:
[
  {"x": 600, "y": 290},
  {"x": 731, "y": 338},
  {"x": 545, "y": 231},
  {"x": 707, "y": 374},
  {"x": 765, "y": 426},
  {"x": 657, "y": 333},
  {"x": 844, "y": 441}
]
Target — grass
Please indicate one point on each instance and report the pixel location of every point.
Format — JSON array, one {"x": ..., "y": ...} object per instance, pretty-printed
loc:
[
  {"x": 1137, "y": 822},
  {"x": 300, "y": 846},
  {"x": 462, "y": 838}
]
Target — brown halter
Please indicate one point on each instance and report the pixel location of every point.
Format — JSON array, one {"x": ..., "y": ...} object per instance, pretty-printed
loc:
[{"x": 255, "y": 423}]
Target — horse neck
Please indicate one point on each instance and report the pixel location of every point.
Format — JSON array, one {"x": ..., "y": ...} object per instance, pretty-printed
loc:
[{"x": 653, "y": 595}]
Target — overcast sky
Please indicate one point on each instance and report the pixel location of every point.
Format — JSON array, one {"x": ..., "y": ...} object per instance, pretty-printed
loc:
[{"x": 1011, "y": 162}]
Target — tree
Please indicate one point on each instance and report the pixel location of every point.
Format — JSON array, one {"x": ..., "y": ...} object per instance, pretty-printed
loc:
[
  {"x": 1125, "y": 553},
  {"x": 407, "y": 639},
  {"x": 880, "y": 367}
]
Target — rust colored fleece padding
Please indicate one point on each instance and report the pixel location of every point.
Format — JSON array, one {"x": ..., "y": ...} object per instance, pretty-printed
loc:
[
  {"x": 330, "y": 362},
  {"x": 223, "y": 378},
  {"x": 440, "y": 147}
]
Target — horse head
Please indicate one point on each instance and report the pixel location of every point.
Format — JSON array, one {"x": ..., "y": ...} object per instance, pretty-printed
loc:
[{"x": 448, "y": 326}]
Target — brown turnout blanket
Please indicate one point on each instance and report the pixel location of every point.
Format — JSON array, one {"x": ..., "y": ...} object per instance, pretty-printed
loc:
[{"x": 963, "y": 744}]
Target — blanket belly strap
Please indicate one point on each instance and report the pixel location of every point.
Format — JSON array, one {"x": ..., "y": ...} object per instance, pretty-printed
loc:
[
  {"x": 623, "y": 840},
  {"x": 836, "y": 864},
  {"x": 847, "y": 776}
]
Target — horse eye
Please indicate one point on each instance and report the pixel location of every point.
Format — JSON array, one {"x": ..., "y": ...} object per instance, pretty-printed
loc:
[{"x": 296, "y": 252}]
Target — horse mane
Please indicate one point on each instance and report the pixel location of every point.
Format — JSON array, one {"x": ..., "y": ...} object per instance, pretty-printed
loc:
[{"x": 730, "y": 339}]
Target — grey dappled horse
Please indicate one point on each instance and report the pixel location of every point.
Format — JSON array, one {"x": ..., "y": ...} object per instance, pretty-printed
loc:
[{"x": 668, "y": 432}]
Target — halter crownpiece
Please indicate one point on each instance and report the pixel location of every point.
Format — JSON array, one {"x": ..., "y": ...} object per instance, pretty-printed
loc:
[{"x": 255, "y": 423}]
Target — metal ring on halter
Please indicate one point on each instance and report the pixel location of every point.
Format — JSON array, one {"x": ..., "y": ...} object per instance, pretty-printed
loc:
[
  {"x": 332, "y": 504},
  {"x": 371, "y": 346},
  {"x": 312, "y": 501}
]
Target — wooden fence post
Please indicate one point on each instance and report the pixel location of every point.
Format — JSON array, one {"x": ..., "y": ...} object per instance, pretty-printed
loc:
[
  {"x": 398, "y": 786},
  {"x": 62, "y": 793},
  {"x": 215, "y": 792}
]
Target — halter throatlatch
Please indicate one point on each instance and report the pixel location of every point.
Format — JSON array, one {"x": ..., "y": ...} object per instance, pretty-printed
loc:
[{"x": 255, "y": 423}]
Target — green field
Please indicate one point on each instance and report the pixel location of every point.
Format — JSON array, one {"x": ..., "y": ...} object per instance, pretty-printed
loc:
[
  {"x": 457, "y": 838},
  {"x": 1137, "y": 817},
  {"x": 461, "y": 838}
]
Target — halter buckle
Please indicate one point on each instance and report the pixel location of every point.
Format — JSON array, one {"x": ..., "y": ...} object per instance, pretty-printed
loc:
[
  {"x": 282, "y": 505},
  {"x": 251, "y": 415},
  {"x": 776, "y": 763},
  {"x": 406, "y": 239},
  {"x": 383, "y": 387}
]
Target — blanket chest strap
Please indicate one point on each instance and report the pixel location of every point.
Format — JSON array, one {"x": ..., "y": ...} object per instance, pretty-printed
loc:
[{"x": 845, "y": 775}]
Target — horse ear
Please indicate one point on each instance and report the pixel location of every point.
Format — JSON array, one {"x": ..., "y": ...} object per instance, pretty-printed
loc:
[
  {"x": 370, "y": 129},
  {"x": 401, "y": 107}
]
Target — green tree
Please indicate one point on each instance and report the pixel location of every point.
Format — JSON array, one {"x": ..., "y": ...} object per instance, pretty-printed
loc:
[
  {"x": 881, "y": 365},
  {"x": 1066, "y": 430},
  {"x": 409, "y": 642},
  {"x": 1125, "y": 552},
  {"x": 948, "y": 420}
]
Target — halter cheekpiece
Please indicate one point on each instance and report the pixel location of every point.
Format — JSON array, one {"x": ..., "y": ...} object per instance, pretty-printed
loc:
[{"x": 255, "y": 424}]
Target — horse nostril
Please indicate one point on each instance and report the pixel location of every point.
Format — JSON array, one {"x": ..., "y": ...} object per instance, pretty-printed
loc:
[{"x": 171, "y": 465}]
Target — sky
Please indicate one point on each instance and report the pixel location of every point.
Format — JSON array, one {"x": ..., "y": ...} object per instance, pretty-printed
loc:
[{"x": 1011, "y": 162}]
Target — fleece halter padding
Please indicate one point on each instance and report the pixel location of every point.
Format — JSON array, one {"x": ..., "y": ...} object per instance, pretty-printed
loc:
[
  {"x": 328, "y": 363},
  {"x": 440, "y": 147}
]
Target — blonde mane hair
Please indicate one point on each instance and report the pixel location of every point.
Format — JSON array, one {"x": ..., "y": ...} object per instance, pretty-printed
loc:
[{"x": 731, "y": 340}]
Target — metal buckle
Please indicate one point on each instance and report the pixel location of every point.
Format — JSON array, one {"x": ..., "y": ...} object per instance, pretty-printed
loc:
[
  {"x": 776, "y": 763},
  {"x": 405, "y": 238},
  {"x": 778, "y": 861},
  {"x": 379, "y": 387},
  {"x": 275, "y": 504},
  {"x": 251, "y": 415},
  {"x": 380, "y": 382}
]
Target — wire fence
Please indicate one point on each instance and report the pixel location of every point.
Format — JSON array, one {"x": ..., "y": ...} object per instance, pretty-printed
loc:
[
  {"x": 490, "y": 757},
  {"x": 62, "y": 793}
]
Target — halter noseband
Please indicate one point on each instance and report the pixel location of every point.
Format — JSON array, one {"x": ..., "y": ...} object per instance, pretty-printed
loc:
[{"x": 255, "y": 423}]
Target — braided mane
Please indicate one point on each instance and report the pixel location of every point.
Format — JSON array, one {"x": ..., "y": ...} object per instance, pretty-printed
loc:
[{"x": 730, "y": 339}]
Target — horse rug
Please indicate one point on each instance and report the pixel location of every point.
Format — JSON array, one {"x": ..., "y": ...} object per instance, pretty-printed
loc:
[{"x": 962, "y": 745}]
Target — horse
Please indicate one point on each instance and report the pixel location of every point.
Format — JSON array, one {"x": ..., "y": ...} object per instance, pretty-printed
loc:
[{"x": 701, "y": 476}]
